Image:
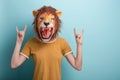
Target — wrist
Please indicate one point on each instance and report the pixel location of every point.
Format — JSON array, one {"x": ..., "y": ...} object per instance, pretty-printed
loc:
[
  {"x": 19, "y": 43},
  {"x": 79, "y": 44}
]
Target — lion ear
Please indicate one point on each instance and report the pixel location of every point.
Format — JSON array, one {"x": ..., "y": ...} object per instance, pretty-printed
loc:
[
  {"x": 59, "y": 13},
  {"x": 35, "y": 12}
]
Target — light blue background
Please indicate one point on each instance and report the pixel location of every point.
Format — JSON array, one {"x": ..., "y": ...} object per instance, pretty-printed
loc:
[{"x": 101, "y": 45}]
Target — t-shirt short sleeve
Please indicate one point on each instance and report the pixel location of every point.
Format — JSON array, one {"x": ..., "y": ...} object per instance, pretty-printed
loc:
[
  {"x": 66, "y": 48},
  {"x": 26, "y": 51}
]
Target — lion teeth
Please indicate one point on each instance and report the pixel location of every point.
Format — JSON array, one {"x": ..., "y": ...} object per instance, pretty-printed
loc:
[
  {"x": 49, "y": 29},
  {"x": 42, "y": 29}
]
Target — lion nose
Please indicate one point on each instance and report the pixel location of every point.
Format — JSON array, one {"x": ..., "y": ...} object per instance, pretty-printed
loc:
[{"x": 46, "y": 24}]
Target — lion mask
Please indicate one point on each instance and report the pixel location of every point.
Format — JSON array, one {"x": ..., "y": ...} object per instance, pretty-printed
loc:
[{"x": 47, "y": 23}]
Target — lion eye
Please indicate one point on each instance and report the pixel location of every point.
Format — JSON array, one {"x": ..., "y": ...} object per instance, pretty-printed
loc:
[
  {"x": 52, "y": 18},
  {"x": 41, "y": 18}
]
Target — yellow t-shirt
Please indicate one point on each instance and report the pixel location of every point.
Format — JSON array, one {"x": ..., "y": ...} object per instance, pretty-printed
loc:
[{"x": 47, "y": 57}]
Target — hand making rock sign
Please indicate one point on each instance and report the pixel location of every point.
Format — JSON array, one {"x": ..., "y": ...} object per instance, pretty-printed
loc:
[
  {"x": 78, "y": 37},
  {"x": 21, "y": 34}
]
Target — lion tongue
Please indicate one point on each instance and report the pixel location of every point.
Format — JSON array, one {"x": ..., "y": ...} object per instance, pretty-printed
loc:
[{"x": 46, "y": 33}]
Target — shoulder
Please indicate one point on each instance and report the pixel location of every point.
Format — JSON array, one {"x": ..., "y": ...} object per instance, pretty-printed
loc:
[
  {"x": 32, "y": 41},
  {"x": 62, "y": 40}
]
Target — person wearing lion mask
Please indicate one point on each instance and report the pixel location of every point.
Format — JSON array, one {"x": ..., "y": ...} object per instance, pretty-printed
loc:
[{"x": 47, "y": 48}]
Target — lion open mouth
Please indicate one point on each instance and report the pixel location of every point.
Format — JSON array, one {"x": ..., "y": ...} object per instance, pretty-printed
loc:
[{"x": 46, "y": 33}]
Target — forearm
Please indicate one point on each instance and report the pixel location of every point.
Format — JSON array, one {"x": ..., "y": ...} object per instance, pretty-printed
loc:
[
  {"x": 15, "y": 57},
  {"x": 78, "y": 59}
]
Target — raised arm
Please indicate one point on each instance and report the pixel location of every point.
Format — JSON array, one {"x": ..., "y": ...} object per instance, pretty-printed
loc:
[
  {"x": 76, "y": 62},
  {"x": 18, "y": 59}
]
